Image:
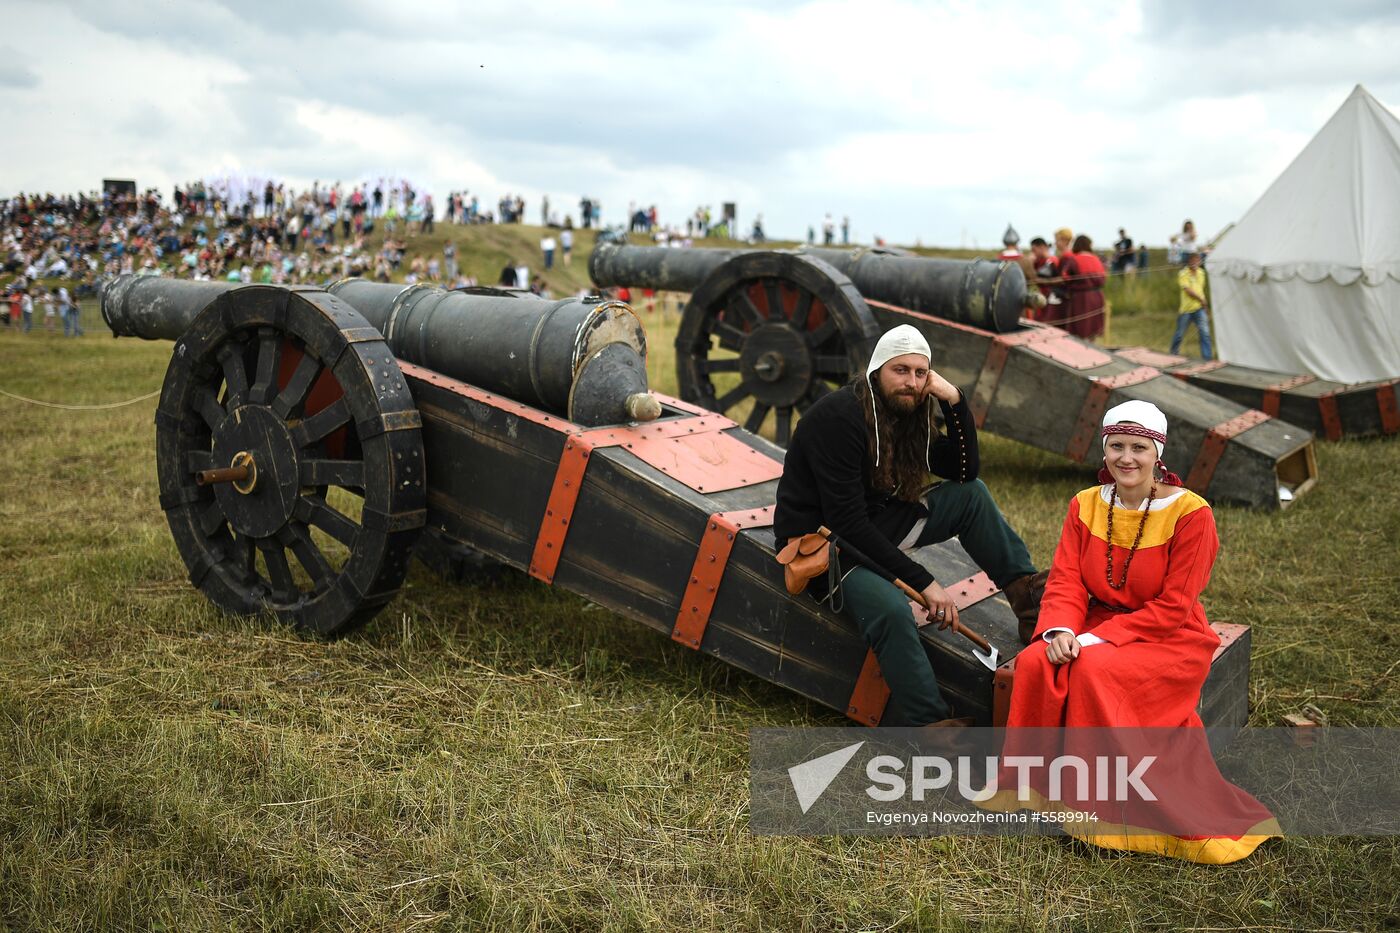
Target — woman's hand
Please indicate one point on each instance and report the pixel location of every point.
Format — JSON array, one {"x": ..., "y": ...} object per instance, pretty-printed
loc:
[{"x": 1062, "y": 649}]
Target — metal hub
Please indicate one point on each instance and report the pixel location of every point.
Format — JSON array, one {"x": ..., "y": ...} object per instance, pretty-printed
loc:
[
  {"x": 244, "y": 464},
  {"x": 776, "y": 361},
  {"x": 262, "y": 503},
  {"x": 769, "y": 367}
]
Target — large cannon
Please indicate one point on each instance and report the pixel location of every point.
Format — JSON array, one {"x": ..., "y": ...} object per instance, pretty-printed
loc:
[
  {"x": 771, "y": 331},
  {"x": 577, "y": 357},
  {"x": 289, "y": 424}
]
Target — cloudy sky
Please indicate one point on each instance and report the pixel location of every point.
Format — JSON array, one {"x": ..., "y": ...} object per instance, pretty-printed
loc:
[{"x": 931, "y": 122}]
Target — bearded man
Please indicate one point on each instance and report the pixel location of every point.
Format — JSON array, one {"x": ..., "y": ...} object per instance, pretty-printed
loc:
[{"x": 858, "y": 463}]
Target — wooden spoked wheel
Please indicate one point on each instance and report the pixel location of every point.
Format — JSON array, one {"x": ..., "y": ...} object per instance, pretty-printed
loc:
[
  {"x": 290, "y": 459},
  {"x": 768, "y": 334}
]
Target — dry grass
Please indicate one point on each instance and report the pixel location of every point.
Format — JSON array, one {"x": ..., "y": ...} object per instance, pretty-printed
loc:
[{"x": 510, "y": 757}]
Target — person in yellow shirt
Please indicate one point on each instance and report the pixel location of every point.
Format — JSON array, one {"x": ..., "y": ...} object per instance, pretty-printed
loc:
[{"x": 1193, "y": 308}]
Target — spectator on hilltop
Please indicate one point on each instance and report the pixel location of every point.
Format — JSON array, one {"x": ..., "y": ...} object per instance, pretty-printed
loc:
[
  {"x": 507, "y": 276},
  {"x": 50, "y": 312},
  {"x": 1187, "y": 240},
  {"x": 566, "y": 240},
  {"x": 547, "y": 246},
  {"x": 69, "y": 309},
  {"x": 1123, "y": 253},
  {"x": 449, "y": 257}
]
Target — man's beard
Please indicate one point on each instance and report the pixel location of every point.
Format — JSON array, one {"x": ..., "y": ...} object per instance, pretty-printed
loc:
[{"x": 900, "y": 404}]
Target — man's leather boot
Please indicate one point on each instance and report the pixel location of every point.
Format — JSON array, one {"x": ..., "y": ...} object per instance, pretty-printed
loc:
[
  {"x": 958, "y": 722},
  {"x": 1024, "y": 594},
  {"x": 952, "y": 736}
]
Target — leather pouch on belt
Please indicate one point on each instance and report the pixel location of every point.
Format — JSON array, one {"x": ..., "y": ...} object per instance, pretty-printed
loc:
[{"x": 802, "y": 559}]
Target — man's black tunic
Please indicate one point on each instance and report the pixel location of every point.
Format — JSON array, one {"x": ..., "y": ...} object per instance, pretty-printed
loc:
[{"x": 826, "y": 481}]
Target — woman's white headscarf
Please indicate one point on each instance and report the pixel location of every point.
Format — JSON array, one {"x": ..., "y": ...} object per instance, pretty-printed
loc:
[
  {"x": 1136, "y": 412},
  {"x": 1138, "y": 419}
]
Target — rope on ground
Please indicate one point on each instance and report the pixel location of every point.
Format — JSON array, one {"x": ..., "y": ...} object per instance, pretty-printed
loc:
[{"x": 110, "y": 405}]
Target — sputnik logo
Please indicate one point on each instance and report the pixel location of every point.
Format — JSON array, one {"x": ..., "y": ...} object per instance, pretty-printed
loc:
[{"x": 811, "y": 778}]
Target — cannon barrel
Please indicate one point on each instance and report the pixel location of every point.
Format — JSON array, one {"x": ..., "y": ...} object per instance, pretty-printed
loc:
[
  {"x": 155, "y": 308},
  {"x": 984, "y": 293},
  {"x": 586, "y": 357},
  {"x": 581, "y": 357}
]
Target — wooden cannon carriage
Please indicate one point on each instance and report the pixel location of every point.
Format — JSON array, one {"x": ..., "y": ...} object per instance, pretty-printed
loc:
[
  {"x": 307, "y": 438},
  {"x": 774, "y": 330},
  {"x": 1329, "y": 409}
]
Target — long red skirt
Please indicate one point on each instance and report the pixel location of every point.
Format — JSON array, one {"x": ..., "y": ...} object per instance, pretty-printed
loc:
[{"x": 1132, "y": 703}]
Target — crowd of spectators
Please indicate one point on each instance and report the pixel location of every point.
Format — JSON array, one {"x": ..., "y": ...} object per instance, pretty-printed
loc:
[
  {"x": 250, "y": 231},
  {"x": 247, "y": 229},
  {"x": 59, "y": 248}
]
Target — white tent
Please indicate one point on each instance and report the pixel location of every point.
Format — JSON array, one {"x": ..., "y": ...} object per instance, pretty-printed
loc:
[{"x": 1308, "y": 281}]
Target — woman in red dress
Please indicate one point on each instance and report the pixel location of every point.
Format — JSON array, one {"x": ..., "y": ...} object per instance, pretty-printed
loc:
[
  {"x": 1122, "y": 642},
  {"x": 1084, "y": 290}
]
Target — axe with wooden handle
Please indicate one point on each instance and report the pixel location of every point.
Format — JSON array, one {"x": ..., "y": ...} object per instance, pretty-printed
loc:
[{"x": 984, "y": 651}]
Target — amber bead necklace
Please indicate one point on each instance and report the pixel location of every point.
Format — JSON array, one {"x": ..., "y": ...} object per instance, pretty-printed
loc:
[{"x": 1151, "y": 494}]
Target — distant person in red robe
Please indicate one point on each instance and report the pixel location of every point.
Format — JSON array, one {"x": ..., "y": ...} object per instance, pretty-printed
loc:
[
  {"x": 1083, "y": 275},
  {"x": 1122, "y": 641}
]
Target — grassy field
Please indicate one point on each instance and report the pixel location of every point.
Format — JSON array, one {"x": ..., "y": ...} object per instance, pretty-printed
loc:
[{"x": 511, "y": 756}]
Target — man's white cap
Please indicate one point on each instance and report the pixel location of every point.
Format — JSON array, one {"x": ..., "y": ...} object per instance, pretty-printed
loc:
[
  {"x": 897, "y": 341},
  {"x": 1138, "y": 412}
]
